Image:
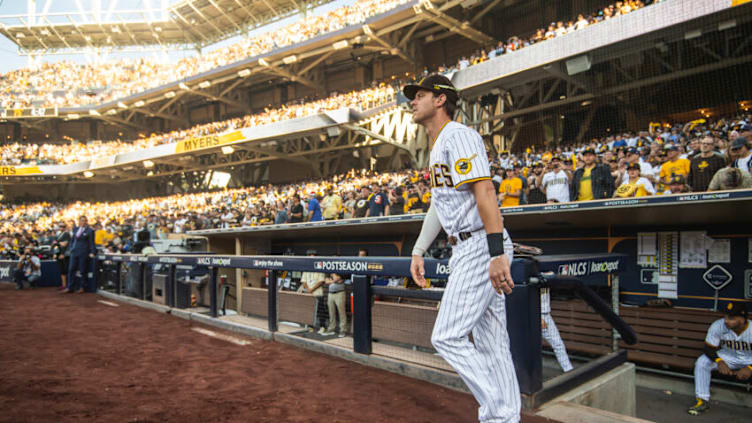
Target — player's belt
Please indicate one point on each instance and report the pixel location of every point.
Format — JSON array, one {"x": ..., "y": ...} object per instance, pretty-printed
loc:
[{"x": 463, "y": 236}]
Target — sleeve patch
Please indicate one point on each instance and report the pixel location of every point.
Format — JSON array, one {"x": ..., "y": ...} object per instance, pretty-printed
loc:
[{"x": 464, "y": 166}]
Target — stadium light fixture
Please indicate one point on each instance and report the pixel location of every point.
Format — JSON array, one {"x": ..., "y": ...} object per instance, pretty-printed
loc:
[
  {"x": 182, "y": 86},
  {"x": 148, "y": 164},
  {"x": 170, "y": 94},
  {"x": 139, "y": 103},
  {"x": 339, "y": 45},
  {"x": 243, "y": 73},
  {"x": 227, "y": 149},
  {"x": 20, "y": 35},
  {"x": 112, "y": 112},
  {"x": 93, "y": 112},
  {"x": 727, "y": 25},
  {"x": 263, "y": 62},
  {"x": 116, "y": 29},
  {"x": 88, "y": 174},
  {"x": 290, "y": 59},
  {"x": 122, "y": 105},
  {"x": 73, "y": 116},
  {"x": 689, "y": 35},
  {"x": 204, "y": 84},
  {"x": 44, "y": 32},
  {"x": 367, "y": 30}
]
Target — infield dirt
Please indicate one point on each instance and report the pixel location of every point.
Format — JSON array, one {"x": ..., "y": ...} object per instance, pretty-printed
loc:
[{"x": 68, "y": 357}]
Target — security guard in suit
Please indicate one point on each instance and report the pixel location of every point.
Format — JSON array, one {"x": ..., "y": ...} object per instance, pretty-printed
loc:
[{"x": 82, "y": 250}]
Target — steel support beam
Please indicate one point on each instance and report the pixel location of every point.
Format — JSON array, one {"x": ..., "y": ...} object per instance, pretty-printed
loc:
[
  {"x": 289, "y": 75},
  {"x": 464, "y": 29},
  {"x": 391, "y": 48}
]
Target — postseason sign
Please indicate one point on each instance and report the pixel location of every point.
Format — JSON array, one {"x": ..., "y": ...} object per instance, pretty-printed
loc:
[{"x": 32, "y": 112}]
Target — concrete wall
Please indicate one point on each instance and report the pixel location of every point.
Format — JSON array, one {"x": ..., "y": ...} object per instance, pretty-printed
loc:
[{"x": 613, "y": 391}]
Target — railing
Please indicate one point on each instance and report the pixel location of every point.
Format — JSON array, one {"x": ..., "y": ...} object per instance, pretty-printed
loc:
[{"x": 523, "y": 305}]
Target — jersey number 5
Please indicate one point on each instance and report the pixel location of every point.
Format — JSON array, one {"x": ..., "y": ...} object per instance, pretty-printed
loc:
[{"x": 441, "y": 176}]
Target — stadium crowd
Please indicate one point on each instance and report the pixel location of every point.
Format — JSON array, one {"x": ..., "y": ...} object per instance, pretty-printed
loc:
[
  {"x": 694, "y": 157},
  {"x": 554, "y": 30},
  {"x": 74, "y": 151},
  {"x": 66, "y": 84}
]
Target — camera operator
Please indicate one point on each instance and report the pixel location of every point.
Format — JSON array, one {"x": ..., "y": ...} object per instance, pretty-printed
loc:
[{"x": 29, "y": 269}]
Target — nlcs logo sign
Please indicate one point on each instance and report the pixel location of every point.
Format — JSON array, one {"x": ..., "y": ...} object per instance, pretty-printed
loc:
[{"x": 574, "y": 269}]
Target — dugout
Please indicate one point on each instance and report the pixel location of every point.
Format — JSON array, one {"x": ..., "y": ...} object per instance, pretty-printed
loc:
[{"x": 678, "y": 235}]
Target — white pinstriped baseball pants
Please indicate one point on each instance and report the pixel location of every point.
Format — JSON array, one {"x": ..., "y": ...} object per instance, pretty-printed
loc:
[
  {"x": 470, "y": 303},
  {"x": 552, "y": 336},
  {"x": 703, "y": 369}
]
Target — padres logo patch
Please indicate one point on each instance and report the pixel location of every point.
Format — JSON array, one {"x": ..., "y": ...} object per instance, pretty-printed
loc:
[
  {"x": 464, "y": 166},
  {"x": 730, "y": 306}
]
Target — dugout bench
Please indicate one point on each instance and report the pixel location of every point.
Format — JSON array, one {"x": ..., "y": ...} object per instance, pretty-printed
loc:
[{"x": 523, "y": 305}]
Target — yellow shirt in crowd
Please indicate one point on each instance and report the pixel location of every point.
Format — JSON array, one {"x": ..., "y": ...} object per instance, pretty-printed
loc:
[
  {"x": 632, "y": 189},
  {"x": 586, "y": 186},
  {"x": 509, "y": 186},
  {"x": 102, "y": 237},
  {"x": 679, "y": 167}
]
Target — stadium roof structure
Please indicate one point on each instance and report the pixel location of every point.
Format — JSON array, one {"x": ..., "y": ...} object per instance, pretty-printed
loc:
[
  {"x": 188, "y": 23},
  {"x": 306, "y": 142}
]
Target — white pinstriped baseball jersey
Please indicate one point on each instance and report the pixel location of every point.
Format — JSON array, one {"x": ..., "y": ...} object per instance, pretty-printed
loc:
[
  {"x": 735, "y": 350},
  {"x": 458, "y": 156},
  {"x": 545, "y": 295},
  {"x": 731, "y": 345},
  {"x": 470, "y": 303}
]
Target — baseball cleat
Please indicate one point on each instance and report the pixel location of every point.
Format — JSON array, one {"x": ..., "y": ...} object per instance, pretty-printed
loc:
[{"x": 699, "y": 408}]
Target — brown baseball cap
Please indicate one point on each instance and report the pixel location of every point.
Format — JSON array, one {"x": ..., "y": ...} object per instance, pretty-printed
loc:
[{"x": 438, "y": 84}]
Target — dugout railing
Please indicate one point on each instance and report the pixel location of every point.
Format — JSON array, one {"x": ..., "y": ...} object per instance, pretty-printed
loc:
[{"x": 522, "y": 306}]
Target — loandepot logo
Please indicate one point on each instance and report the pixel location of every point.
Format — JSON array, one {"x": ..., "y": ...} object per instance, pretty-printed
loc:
[
  {"x": 345, "y": 266},
  {"x": 207, "y": 261},
  {"x": 581, "y": 268},
  {"x": 604, "y": 266},
  {"x": 443, "y": 269}
]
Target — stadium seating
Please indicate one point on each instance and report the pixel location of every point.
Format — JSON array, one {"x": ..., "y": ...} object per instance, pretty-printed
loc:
[
  {"x": 49, "y": 153},
  {"x": 65, "y": 83},
  {"x": 554, "y": 30},
  {"x": 252, "y": 206}
]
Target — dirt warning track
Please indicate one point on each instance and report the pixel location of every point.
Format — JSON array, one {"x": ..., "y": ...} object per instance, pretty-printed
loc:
[
  {"x": 73, "y": 357},
  {"x": 68, "y": 357}
]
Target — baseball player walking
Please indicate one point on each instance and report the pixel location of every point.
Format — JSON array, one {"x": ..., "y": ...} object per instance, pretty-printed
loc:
[
  {"x": 464, "y": 205},
  {"x": 728, "y": 349},
  {"x": 551, "y": 333}
]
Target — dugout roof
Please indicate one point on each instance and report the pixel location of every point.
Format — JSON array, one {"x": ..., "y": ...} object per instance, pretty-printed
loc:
[{"x": 187, "y": 23}]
